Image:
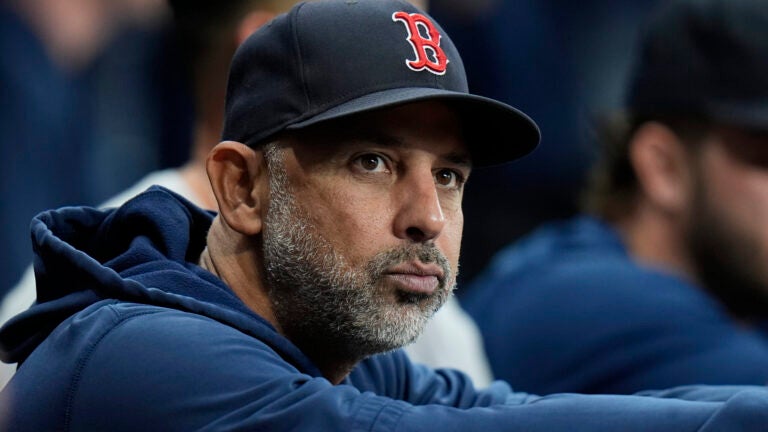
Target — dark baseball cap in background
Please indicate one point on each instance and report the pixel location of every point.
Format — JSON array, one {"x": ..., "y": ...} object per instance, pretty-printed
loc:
[
  {"x": 330, "y": 59},
  {"x": 707, "y": 58}
]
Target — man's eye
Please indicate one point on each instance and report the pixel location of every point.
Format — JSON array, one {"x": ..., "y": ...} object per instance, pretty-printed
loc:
[
  {"x": 448, "y": 178},
  {"x": 371, "y": 163}
]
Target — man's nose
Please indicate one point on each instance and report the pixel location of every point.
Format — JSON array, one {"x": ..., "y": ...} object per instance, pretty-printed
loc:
[{"x": 420, "y": 216}]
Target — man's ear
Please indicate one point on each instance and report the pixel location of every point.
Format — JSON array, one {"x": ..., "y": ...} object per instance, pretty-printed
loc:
[
  {"x": 240, "y": 182},
  {"x": 662, "y": 164}
]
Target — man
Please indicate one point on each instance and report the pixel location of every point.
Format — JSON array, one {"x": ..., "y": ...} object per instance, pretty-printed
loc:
[
  {"x": 208, "y": 33},
  {"x": 662, "y": 281},
  {"x": 348, "y": 135}
]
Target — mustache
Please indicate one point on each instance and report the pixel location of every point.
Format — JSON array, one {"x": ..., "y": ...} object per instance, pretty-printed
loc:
[{"x": 427, "y": 253}]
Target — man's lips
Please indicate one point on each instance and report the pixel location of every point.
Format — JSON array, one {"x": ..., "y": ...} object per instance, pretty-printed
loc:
[{"x": 416, "y": 277}]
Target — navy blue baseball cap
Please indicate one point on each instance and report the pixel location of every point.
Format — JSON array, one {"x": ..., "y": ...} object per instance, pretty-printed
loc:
[
  {"x": 704, "y": 58},
  {"x": 330, "y": 59}
]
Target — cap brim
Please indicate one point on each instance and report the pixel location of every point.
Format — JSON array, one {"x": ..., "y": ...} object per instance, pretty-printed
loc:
[{"x": 495, "y": 132}]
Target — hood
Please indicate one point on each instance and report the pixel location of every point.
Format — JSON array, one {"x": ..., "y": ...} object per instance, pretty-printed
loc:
[{"x": 143, "y": 252}]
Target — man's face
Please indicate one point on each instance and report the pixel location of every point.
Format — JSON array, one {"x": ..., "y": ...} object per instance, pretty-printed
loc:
[
  {"x": 728, "y": 235},
  {"x": 362, "y": 235}
]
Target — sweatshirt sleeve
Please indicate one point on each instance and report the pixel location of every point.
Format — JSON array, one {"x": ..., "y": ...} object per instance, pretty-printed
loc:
[
  {"x": 429, "y": 394},
  {"x": 176, "y": 371},
  {"x": 745, "y": 409}
]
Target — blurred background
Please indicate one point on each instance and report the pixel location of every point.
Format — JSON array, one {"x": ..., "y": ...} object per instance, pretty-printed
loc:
[{"x": 94, "y": 96}]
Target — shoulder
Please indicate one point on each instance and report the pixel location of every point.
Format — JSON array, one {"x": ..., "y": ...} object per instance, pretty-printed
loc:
[
  {"x": 584, "y": 291},
  {"x": 554, "y": 248},
  {"x": 576, "y": 267},
  {"x": 589, "y": 290},
  {"x": 159, "y": 361},
  {"x": 158, "y": 334},
  {"x": 114, "y": 345}
]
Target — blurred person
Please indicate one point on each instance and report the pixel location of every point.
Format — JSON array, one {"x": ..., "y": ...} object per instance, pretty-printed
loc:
[
  {"x": 208, "y": 35},
  {"x": 270, "y": 315},
  {"x": 49, "y": 49},
  {"x": 661, "y": 281}
]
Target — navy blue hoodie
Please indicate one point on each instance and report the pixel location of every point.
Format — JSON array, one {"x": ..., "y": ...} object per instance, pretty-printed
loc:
[{"x": 130, "y": 334}]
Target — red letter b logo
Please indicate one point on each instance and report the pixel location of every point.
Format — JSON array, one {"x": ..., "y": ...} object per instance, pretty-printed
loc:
[{"x": 429, "y": 55}]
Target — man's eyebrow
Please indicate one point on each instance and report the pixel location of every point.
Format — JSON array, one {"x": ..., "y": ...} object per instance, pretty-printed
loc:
[{"x": 459, "y": 158}]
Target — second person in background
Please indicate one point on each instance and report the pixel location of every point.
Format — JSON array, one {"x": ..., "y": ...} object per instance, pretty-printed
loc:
[{"x": 662, "y": 281}]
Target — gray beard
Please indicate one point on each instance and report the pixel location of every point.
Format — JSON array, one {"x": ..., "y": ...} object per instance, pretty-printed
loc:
[{"x": 322, "y": 302}]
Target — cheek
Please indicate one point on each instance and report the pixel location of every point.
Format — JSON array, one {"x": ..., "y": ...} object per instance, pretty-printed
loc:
[
  {"x": 741, "y": 197},
  {"x": 359, "y": 225},
  {"x": 353, "y": 223},
  {"x": 449, "y": 241},
  {"x": 753, "y": 205}
]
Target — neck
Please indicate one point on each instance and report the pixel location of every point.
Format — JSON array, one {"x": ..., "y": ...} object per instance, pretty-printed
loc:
[
  {"x": 333, "y": 358},
  {"x": 654, "y": 238},
  {"x": 336, "y": 372},
  {"x": 231, "y": 258},
  {"x": 332, "y": 368}
]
